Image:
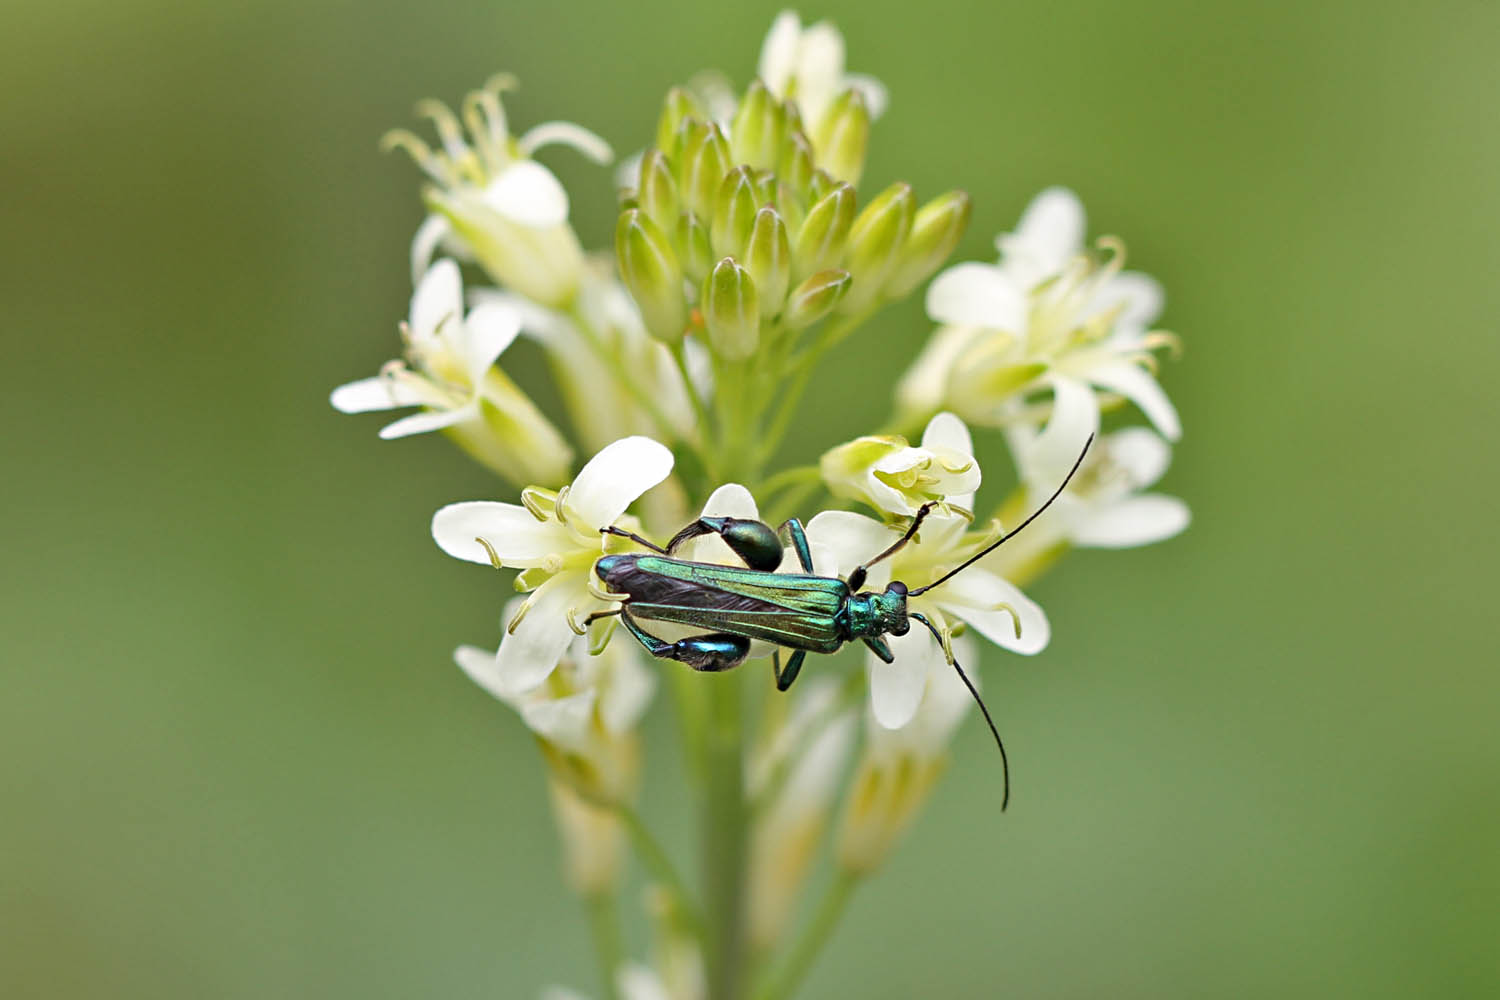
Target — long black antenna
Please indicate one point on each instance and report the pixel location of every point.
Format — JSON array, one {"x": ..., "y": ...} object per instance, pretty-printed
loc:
[
  {"x": 1009, "y": 534},
  {"x": 1004, "y": 763}
]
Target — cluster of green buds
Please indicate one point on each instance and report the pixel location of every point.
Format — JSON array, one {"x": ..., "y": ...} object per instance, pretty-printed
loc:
[{"x": 752, "y": 234}]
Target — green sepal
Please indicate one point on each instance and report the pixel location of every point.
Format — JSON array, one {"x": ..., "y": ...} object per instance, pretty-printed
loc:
[
  {"x": 842, "y": 137},
  {"x": 704, "y": 162},
  {"x": 759, "y": 128},
  {"x": 657, "y": 192},
  {"x": 768, "y": 258},
  {"x": 876, "y": 241},
  {"x": 678, "y": 107},
  {"x": 694, "y": 247},
  {"x": 935, "y": 231},
  {"x": 824, "y": 234},
  {"x": 735, "y": 213},
  {"x": 815, "y": 298}
]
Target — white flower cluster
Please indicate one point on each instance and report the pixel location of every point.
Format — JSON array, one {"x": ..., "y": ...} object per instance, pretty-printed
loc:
[{"x": 743, "y": 253}]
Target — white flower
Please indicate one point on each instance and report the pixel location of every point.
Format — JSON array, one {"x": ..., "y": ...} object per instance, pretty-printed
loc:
[
  {"x": 978, "y": 597},
  {"x": 892, "y": 476},
  {"x": 450, "y": 372},
  {"x": 554, "y": 539},
  {"x": 1045, "y": 319},
  {"x": 808, "y": 64},
  {"x": 491, "y": 202},
  {"x": 799, "y": 771},
  {"x": 1103, "y": 507},
  {"x": 898, "y": 768},
  {"x": 633, "y": 980}
]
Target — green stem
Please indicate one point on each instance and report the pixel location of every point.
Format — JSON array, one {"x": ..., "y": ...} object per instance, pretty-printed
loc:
[
  {"x": 700, "y": 409},
  {"x": 724, "y": 837},
  {"x": 632, "y": 386},
  {"x": 607, "y": 943},
  {"x": 781, "y": 985},
  {"x": 795, "y": 476},
  {"x": 804, "y": 367},
  {"x": 660, "y": 865}
]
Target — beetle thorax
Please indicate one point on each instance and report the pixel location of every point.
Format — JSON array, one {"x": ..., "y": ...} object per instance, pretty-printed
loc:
[{"x": 876, "y": 613}]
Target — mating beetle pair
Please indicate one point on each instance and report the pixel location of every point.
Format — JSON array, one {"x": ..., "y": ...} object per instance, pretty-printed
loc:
[{"x": 802, "y": 612}]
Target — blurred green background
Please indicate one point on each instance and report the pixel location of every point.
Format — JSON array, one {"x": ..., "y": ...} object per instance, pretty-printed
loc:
[{"x": 1258, "y": 760}]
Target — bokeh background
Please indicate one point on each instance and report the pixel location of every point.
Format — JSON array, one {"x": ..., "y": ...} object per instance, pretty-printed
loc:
[{"x": 236, "y": 761}]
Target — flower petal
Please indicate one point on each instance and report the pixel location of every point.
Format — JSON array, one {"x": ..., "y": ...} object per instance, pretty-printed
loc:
[
  {"x": 1133, "y": 521},
  {"x": 568, "y": 134},
  {"x": 375, "y": 393},
  {"x": 564, "y": 721},
  {"x": 1137, "y": 385},
  {"x": 1141, "y": 453},
  {"x": 849, "y": 539},
  {"x": 489, "y": 330},
  {"x": 778, "y": 53},
  {"x": 1075, "y": 416},
  {"x": 924, "y": 386},
  {"x": 517, "y": 537},
  {"x": 428, "y": 420},
  {"x": 613, "y": 479},
  {"x": 528, "y": 655},
  {"x": 946, "y": 431},
  {"x": 439, "y": 297},
  {"x": 1049, "y": 234},
  {"x": 974, "y": 294},
  {"x": 430, "y": 235},
  {"x": 973, "y": 596},
  {"x": 527, "y": 193},
  {"x": 1138, "y": 296},
  {"x": 877, "y": 98},
  {"x": 896, "y": 688},
  {"x": 479, "y": 664}
]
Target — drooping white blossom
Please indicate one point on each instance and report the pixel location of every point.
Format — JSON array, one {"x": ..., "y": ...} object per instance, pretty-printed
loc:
[
  {"x": 1048, "y": 324},
  {"x": 449, "y": 370},
  {"x": 554, "y": 539},
  {"x": 895, "y": 477},
  {"x": 807, "y": 64},
  {"x": 494, "y": 204}
]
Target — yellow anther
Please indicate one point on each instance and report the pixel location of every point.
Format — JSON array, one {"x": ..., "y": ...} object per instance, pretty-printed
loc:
[
  {"x": 515, "y": 621},
  {"x": 1002, "y": 606},
  {"x": 574, "y": 624},
  {"x": 604, "y": 595}
]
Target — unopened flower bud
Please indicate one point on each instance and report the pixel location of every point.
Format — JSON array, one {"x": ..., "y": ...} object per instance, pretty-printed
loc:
[
  {"x": 735, "y": 213},
  {"x": 758, "y": 130},
  {"x": 731, "y": 311},
  {"x": 934, "y": 233},
  {"x": 768, "y": 258},
  {"x": 820, "y": 185},
  {"x": 824, "y": 234},
  {"x": 678, "y": 107},
  {"x": 815, "y": 298},
  {"x": 797, "y": 165},
  {"x": 651, "y": 272},
  {"x": 693, "y": 248},
  {"x": 876, "y": 241},
  {"x": 843, "y": 135},
  {"x": 657, "y": 193},
  {"x": 704, "y": 162}
]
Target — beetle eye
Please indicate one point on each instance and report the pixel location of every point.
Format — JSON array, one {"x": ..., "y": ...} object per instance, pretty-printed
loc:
[{"x": 897, "y": 587}]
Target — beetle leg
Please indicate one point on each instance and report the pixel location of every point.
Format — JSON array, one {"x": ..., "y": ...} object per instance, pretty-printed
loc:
[
  {"x": 711, "y": 653},
  {"x": 612, "y": 530},
  {"x": 857, "y": 578},
  {"x": 753, "y": 541},
  {"x": 791, "y": 530},
  {"x": 785, "y": 677},
  {"x": 880, "y": 648}
]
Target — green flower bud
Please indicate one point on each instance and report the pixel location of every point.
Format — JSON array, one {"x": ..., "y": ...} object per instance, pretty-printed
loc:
[
  {"x": 651, "y": 272},
  {"x": 704, "y": 162},
  {"x": 657, "y": 193},
  {"x": 731, "y": 311},
  {"x": 758, "y": 130},
  {"x": 797, "y": 164},
  {"x": 815, "y": 298},
  {"x": 843, "y": 136},
  {"x": 694, "y": 248},
  {"x": 676, "y": 109},
  {"x": 735, "y": 213},
  {"x": 876, "y": 242},
  {"x": 820, "y": 185},
  {"x": 768, "y": 258},
  {"x": 824, "y": 234},
  {"x": 934, "y": 233}
]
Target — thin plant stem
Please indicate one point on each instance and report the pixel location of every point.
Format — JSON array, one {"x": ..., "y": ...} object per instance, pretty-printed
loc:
[
  {"x": 802, "y": 371},
  {"x": 656, "y": 860},
  {"x": 724, "y": 836},
  {"x": 830, "y": 910},
  {"x": 700, "y": 408},
  {"x": 796, "y": 475},
  {"x": 605, "y": 927},
  {"x": 631, "y": 385}
]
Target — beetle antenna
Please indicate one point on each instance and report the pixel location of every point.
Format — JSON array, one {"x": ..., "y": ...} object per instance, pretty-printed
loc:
[
  {"x": 1004, "y": 763},
  {"x": 1009, "y": 534}
]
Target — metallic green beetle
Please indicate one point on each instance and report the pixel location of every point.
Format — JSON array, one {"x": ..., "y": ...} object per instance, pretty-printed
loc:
[{"x": 802, "y": 612}]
